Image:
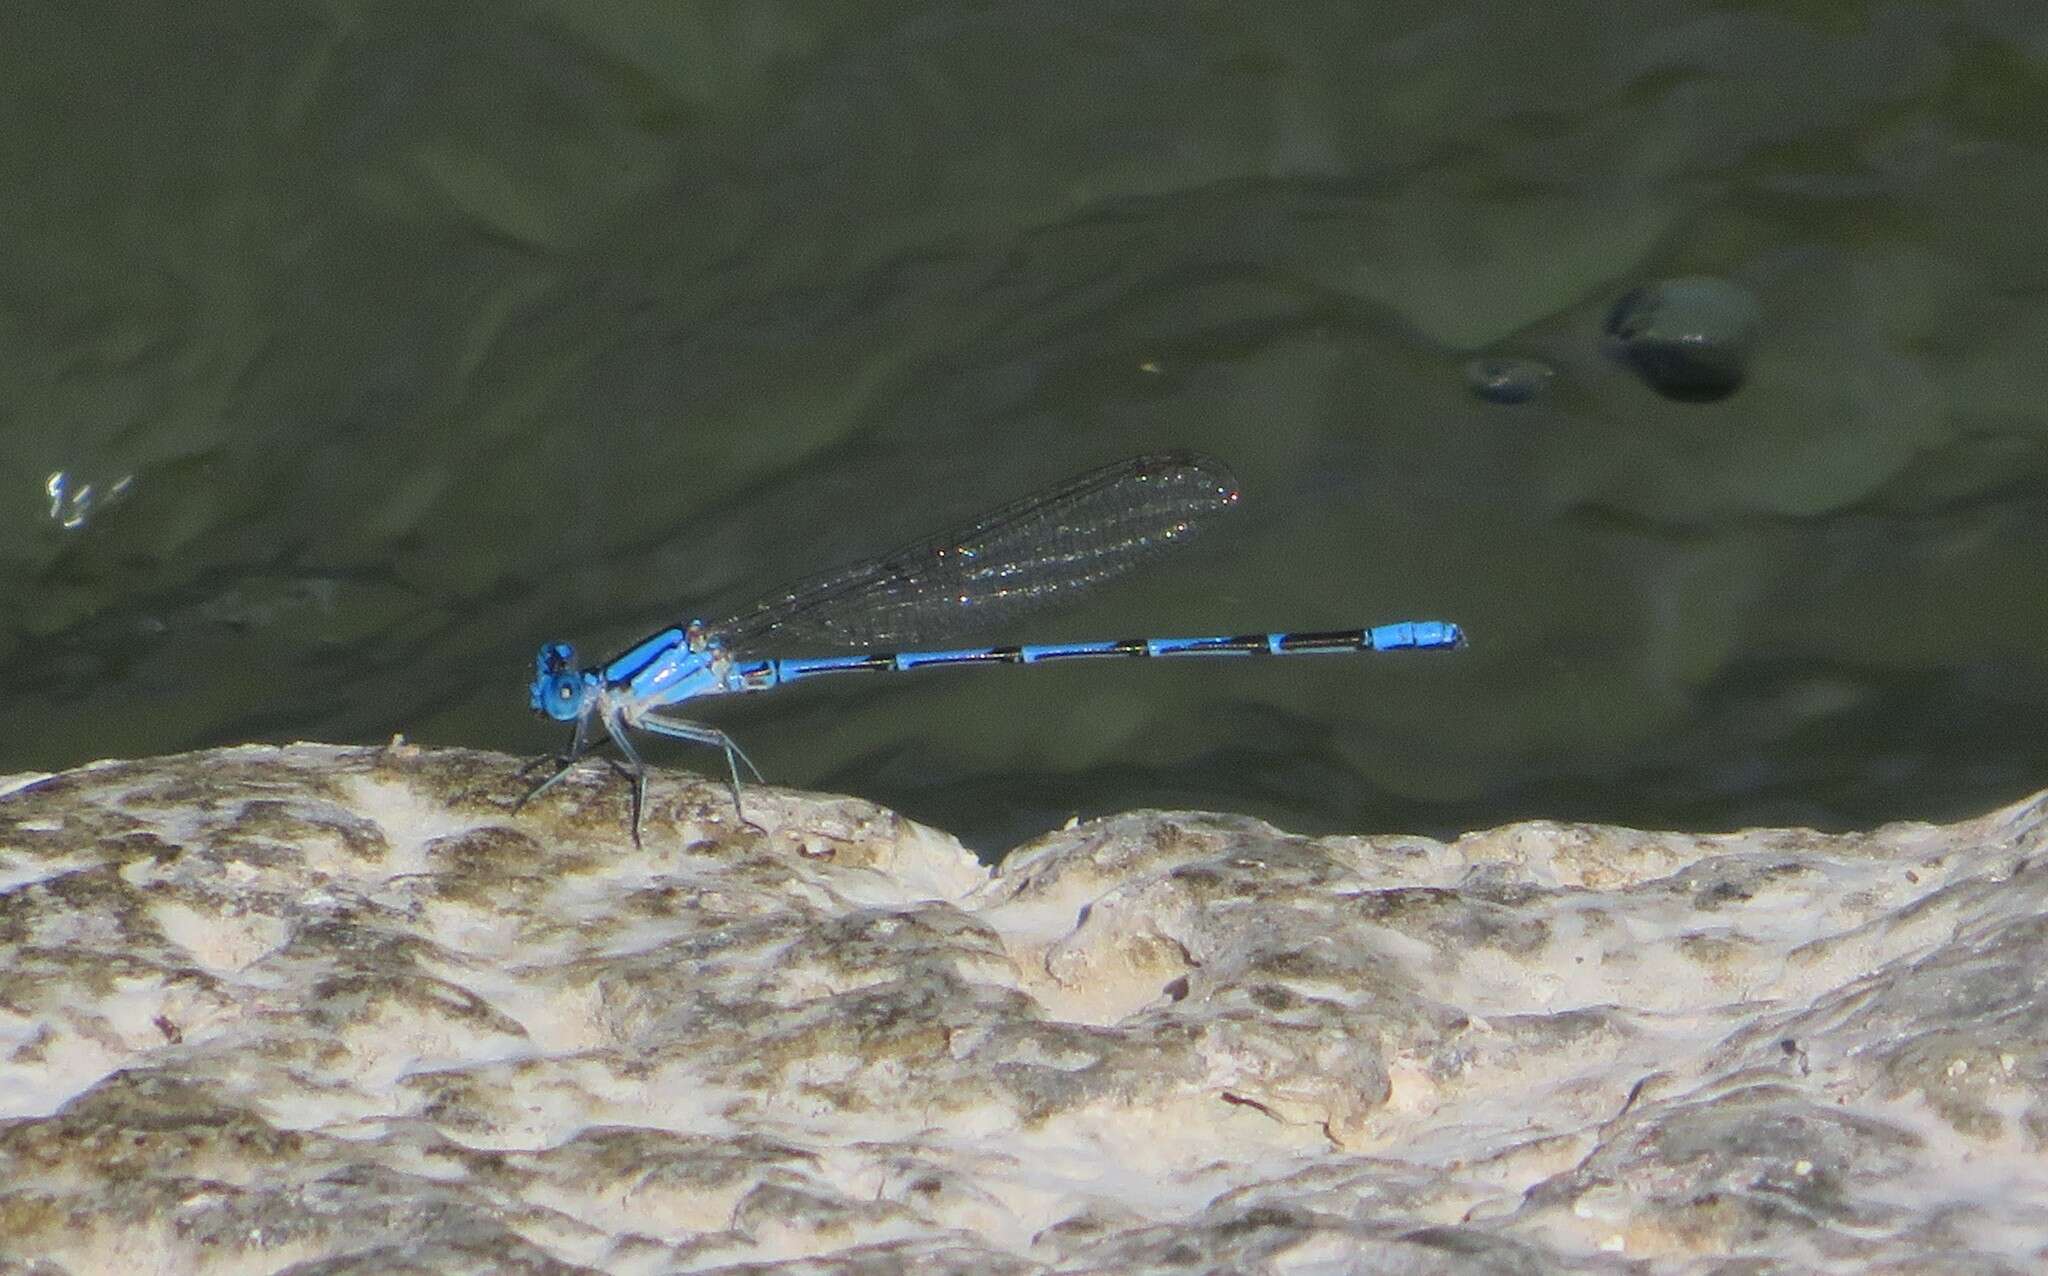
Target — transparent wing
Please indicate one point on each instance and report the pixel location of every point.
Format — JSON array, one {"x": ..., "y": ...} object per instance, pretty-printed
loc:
[{"x": 1032, "y": 553}]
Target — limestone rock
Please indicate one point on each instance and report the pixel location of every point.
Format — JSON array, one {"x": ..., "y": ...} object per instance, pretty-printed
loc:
[{"x": 319, "y": 1009}]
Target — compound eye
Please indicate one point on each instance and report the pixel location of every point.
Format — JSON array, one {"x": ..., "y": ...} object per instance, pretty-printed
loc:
[{"x": 565, "y": 690}]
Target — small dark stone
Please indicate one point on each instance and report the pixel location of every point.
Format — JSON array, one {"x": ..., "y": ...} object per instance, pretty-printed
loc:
[
  {"x": 1688, "y": 338},
  {"x": 1502, "y": 380}
]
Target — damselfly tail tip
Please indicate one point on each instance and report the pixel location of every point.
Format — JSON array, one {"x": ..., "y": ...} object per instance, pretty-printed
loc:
[{"x": 1433, "y": 635}]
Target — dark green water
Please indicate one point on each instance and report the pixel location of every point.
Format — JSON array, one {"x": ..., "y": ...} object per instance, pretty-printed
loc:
[{"x": 424, "y": 333}]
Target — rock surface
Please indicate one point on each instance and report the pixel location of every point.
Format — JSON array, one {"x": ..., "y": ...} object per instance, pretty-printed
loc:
[{"x": 317, "y": 1009}]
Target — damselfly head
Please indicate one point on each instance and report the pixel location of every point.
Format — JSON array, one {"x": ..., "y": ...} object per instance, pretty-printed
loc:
[{"x": 558, "y": 689}]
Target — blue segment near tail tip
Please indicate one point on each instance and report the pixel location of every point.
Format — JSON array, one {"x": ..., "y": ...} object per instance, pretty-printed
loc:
[{"x": 1031, "y": 554}]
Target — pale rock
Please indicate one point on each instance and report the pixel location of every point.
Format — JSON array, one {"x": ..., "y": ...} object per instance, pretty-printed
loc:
[{"x": 318, "y": 1009}]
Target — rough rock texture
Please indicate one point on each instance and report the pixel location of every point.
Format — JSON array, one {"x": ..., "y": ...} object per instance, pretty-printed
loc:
[{"x": 336, "y": 1010}]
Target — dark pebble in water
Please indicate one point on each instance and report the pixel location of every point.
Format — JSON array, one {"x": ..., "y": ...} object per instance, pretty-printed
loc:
[
  {"x": 1688, "y": 338},
  {"x": 1507, "y": 380}
]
